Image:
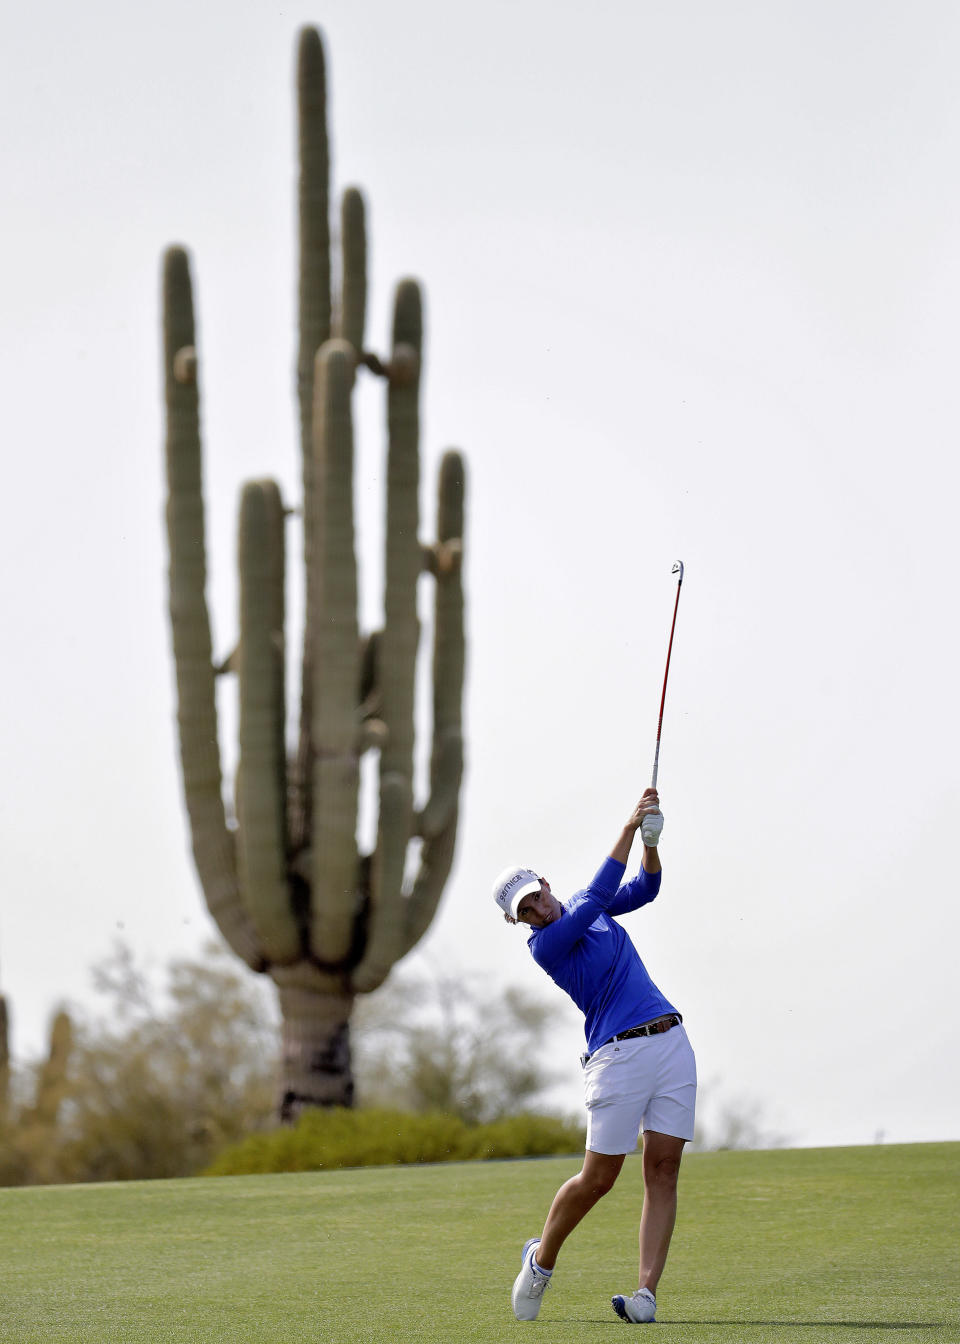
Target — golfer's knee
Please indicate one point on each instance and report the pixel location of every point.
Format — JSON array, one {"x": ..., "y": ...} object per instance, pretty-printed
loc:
[
  {"x": 662, "y": 1173},
  {"x": 594, "y": 1183},
  {"x": 598, "y": 1183}
]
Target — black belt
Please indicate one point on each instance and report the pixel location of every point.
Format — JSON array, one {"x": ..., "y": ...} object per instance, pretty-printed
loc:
[{"x": 648, "y": 1029}]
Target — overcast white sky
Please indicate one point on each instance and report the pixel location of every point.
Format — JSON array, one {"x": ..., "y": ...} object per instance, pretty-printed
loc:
[{"x": 692, "y": 276}]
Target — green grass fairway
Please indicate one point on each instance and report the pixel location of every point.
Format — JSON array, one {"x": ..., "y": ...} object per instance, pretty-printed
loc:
[{"x": 824, "y": 1246}]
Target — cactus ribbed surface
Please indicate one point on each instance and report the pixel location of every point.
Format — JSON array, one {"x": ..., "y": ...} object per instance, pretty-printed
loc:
[{"x": 287, "y": 885}]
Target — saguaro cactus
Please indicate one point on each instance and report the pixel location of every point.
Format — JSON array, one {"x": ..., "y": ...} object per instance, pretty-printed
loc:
[{"x": 286, "y": 883}]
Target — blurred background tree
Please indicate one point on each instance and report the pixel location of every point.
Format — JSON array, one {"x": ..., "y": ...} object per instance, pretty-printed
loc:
[
  {"x": 723, "y": 1123},
  {"x": 450, "y": 1043},
  {"x": 155, "y": 1086},
  {"x": 167, "y": 1078}
]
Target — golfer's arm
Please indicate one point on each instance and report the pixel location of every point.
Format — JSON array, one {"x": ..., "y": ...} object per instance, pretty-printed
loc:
[{"x": 621, "y": 851}]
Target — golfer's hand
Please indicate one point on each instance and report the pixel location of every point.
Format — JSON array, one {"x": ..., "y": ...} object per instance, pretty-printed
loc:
[
  {"x": 649, "y": 805},
  {"x": 647, "y": 818},
  {"x": 650, "y": 829},
  {"x": 646, "y": 813}
]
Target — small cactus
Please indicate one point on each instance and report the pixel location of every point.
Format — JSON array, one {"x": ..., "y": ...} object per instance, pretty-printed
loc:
[
  {"x": 52, "y": 1078},
  {"x": 30, "y": 1135},
  {"x": 287, "y": 886},
  {"x": 4, "y": 1062}
]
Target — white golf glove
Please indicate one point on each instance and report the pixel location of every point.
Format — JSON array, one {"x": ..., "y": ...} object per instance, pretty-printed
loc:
[{"x": 650, "y": 829}]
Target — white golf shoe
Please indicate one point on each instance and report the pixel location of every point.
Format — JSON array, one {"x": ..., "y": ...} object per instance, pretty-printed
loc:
[
  {"x": 530, "y": 1284},
  {"x": 639, "y": 1308}
]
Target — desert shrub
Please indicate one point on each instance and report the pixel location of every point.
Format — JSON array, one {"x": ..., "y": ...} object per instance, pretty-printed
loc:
[{"x": 325, "y": 1140}]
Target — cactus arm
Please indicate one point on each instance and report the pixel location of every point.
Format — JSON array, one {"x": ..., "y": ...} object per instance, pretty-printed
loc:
[
  {"x": 336, "y": 660},
  {"x": 213, "y": 846},
  {"x": 314, "y": 285},
  {"x": 398, "y": 644},
  {"x": 446, "y": 758},
  {"x": 438, "y": 823},
  {"x": 436, "y": 860},
  {"x": 262, "y": 774},
  {"x": 314, "y": 322},
  {"x": 353, "y": 297}
]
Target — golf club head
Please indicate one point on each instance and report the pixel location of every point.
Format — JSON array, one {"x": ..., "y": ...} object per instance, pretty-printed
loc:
[{"x": 678, "y": 570}]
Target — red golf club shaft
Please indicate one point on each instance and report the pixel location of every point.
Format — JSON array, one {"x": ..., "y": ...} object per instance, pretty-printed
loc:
[{"x": 677, "y": 569}]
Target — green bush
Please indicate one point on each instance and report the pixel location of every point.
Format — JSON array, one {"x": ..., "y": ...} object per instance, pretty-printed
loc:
[
  {"x": 324, "y": 1140},
  {"x": 525, "y": 1136}
]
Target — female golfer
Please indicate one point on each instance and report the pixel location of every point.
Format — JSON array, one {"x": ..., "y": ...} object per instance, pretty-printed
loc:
[{"x": 639, "y": 1068}]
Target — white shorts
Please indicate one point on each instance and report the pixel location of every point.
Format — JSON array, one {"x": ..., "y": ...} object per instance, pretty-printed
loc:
[{"x": 646, "y": 1080}]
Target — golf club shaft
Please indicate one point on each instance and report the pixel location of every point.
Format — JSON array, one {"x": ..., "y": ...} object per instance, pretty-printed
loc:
[{"x": 677, "y": 569}]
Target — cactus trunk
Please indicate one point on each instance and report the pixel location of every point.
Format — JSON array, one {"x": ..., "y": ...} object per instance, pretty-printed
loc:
[{"x": 315, "y": 1063}]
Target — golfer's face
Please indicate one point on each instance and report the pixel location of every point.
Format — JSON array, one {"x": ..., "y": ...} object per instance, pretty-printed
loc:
[{"x": 539, "y": 908}]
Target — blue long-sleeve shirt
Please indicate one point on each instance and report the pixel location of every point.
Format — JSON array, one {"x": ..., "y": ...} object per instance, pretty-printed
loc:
[{"x": 590, "y": 956}]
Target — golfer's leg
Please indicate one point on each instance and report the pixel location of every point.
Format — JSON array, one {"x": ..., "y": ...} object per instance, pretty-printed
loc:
[
  {"x": 574, "y": 1200},
  {"x": 661, "y": 1167}
]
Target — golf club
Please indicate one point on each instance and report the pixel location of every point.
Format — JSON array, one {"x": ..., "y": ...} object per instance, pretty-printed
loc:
[{"x": 678, "y": 570}]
